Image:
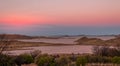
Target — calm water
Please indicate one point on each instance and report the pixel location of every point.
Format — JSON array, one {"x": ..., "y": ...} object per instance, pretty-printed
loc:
[
  {"x": 56, "y": 49},
  {"x": 65, "y": 40}
]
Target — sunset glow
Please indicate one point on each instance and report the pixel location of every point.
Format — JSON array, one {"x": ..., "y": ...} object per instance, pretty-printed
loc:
[
  {"x": 22, "y": 20},
  {"x": 52, "y": 13}
]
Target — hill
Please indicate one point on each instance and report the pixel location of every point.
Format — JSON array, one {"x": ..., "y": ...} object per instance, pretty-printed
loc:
[{"x": 15, "y": 36}]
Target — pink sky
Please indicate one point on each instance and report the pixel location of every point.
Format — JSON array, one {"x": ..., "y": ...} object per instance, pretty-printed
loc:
[{"x": 64, "y": 12}]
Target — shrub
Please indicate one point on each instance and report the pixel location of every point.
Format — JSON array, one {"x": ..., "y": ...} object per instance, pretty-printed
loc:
[
  {"x": 81, "y": 61},
  {"x": 98, "y": 59},
  {"x": 62, "y": 61},
  {"x": 106, "y": 51},
  {"x": 73, "y": 57},
  {"x": 116, "y": 60},
  {"x": 24, "y": 59},
  {"x": 35, "y": 53},
  {"x": 45, "y": 61},
  {"x": 6, "y": 60}
]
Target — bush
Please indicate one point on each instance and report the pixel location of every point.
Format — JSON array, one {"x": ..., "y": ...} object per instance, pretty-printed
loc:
[
  {"x": 62, "y": 61},
  {"x": 81, "y": 61},
  {"x": 35, "y": 53},
  {"x": 106, "y": 51},
  {"x": 98, "y": 59},
  {"x": 6, "y": 60},
  {"x": 45, "y": 61},
  {"x": 24, "y": 59},
  {"x": 116, "y": 60}
]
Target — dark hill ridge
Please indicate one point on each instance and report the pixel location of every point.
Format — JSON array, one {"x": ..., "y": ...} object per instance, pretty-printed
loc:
[
  {"x": 87, "y": 41},
  {"x": 15, "y": 36},
  {"x": 96, "y": 41},
  {"x": 18, "y": 36}
]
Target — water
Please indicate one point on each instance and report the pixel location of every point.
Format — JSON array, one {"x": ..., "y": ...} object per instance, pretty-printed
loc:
[
  {"x": 65, "y": 40},
  {"x": 61, "y": 40},
  {"x": 56, "y": 49}
]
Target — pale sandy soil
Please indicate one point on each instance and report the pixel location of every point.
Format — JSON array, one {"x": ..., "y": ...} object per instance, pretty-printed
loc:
[{"x": 30, "y": 64}]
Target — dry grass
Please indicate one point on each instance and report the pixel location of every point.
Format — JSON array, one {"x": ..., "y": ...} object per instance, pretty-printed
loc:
[
  {"x": 18, "y": 45},
  {"x": 101, "y": 64},
  {"x": 91, "y": 64}
]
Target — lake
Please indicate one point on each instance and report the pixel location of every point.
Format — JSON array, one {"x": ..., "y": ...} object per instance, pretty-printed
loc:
[
  {"x": 76, "y": 49},
  {"x": 64, "y": 40}
]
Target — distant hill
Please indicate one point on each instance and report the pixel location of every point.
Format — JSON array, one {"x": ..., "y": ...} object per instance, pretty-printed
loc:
[
  {"x": 97, "y": 41},
  {"x": 18, "y": 36},
  {"x": 15, "y": 36},
  {"x": 89, "y": 41}
]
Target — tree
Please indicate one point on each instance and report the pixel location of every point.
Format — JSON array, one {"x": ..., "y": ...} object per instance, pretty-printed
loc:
[
  {"x": 5, "y": 60},
  {"x": 4, "y": 42}
]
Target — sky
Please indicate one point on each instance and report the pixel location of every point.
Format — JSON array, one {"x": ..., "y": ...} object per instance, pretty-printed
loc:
[{"x": 60, "y": 17}]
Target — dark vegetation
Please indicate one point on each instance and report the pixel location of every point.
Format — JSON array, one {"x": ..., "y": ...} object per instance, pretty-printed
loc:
[
  {"x": 23, "y": 59},
  {"x": 106, "y": 51},
  {"x": 6, "y": 60},
  {"x": 4, "y": 43}
]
